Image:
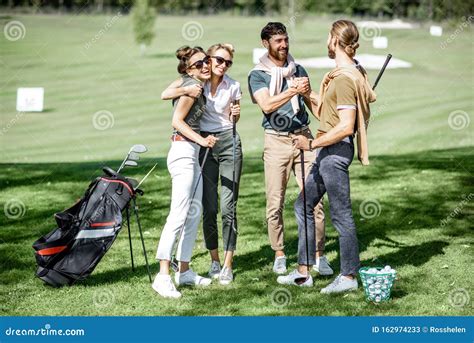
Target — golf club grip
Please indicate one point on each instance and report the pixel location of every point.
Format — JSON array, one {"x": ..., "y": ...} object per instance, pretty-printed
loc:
[
  {"x": 234, "y": 102},
  {"x": 389, "y": 56}
]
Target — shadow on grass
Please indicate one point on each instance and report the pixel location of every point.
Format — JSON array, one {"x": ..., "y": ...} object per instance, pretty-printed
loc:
[{"x": 404, "y": 210}]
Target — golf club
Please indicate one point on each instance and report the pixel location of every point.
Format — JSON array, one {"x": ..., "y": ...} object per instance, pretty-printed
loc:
[
  {"x": 133, "y": 156},
  {"x": 130, "y": 163},
  {"x": 300, "y": 281},
  {"x": 136, "y": 149},
  {"x": 174, "y": 262},
  {"x": 144, "y": 178},
  {"x": 389, "y": 56},
  {"x": 234, "y": 147}
]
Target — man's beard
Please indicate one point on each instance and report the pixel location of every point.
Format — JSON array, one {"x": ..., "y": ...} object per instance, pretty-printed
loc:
[
  {"x": 276, "y": 54},
  {"x": 331, "y": 53}
]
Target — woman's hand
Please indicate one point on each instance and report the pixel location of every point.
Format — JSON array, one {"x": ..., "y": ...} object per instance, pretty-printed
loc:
[
  {"x": 193, "y": 91},
  {"x": 301, "y": 142},
  {"x": 209, "y": 141},
  {"x": 234, "y": 113}
]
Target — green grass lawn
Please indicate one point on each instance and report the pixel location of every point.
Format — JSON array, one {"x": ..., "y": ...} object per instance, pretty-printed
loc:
[{"x": 420, "y": 173}]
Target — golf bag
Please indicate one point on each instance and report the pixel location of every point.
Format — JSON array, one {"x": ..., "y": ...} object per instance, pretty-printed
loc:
[{"x": 85, "y": 231}]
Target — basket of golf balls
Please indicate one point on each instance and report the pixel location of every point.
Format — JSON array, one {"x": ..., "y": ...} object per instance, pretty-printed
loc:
[{"x": 377, "y": 282}]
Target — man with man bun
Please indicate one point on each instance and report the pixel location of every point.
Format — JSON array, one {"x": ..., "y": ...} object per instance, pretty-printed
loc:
[{"x": 343, "y": 110}]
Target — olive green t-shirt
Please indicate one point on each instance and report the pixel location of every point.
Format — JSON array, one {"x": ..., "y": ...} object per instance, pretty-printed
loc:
[
  {"x": 341, "y": 94},
  {"x": 193, "y": 118}
]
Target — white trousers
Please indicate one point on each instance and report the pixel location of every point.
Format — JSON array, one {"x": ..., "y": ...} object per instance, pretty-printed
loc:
[{"x": 185, "y": 212}]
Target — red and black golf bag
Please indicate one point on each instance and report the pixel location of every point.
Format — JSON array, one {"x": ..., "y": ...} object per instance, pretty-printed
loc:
[{"x": 85, "y": 231}]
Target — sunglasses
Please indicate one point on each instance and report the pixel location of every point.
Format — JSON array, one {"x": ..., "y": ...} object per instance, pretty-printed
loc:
[
  {"x": 199, "y": 64},
  {"x": 220, "y": 60}
]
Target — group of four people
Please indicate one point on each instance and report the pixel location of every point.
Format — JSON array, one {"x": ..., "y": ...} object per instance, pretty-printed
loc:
[{"x": 205, "y": 148}]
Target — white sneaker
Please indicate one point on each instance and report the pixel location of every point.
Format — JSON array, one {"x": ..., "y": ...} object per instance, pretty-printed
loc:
[
  {"x": 340, "y": 284},
  {"x": 215, "y": 270},
  {"x": 165, "y": 286},
  {"x": 296, "y": 278},
  {"x": 279, "y": 266},
  {"x": 226, "y": 276},
  {"x": 189, "y": 277},
  {"x": 322, "y": 266}
]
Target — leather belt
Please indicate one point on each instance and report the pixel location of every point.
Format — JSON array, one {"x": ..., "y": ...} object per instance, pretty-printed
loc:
[
  {"x": 286, "y": 133},
  {"x": 176, "y": 137}
]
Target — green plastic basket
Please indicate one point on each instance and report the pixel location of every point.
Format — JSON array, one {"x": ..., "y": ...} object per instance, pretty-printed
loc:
[{"x": 377, "y": 286}]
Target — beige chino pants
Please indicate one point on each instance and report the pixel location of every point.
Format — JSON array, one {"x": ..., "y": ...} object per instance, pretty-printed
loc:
[{"x": 281, "y": 159}]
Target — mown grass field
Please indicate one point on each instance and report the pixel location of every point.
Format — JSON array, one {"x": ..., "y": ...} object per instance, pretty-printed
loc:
[{"x": 420, "y": 177}]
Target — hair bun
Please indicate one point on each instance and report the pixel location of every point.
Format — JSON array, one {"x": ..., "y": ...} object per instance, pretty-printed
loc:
[{"x": 182, "y": 52}]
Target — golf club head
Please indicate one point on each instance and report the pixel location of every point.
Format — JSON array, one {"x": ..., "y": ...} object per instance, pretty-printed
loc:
[
  {"x": 129, "y": 163},
  {"x": 133, "y": 182},
  {"x": 138, "y": 148},
  {"x": 133, "y": 156}
]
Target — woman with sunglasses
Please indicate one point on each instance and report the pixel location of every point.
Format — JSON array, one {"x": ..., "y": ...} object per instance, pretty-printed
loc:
[
  {"x": 222, "y": 110},
  {"x": 183, "y": 165}
]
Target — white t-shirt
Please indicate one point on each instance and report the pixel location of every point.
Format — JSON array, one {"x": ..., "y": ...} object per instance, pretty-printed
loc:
[{"x": 217, "y": 112}]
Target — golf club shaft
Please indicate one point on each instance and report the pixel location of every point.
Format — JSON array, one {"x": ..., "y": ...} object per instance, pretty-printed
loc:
[
  {"x": 123, "y": 163},
  {"x": 234, "y": 146},
  {"x": 147, "y": 174},
  {"x": 389, "y": 56},
  {"x": 303, "y": 189}
]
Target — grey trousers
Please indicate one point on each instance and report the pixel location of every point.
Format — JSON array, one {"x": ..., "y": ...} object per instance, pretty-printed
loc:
[
  {"x": 220, "y": 164},
  {"x": 330, "y": 173}
]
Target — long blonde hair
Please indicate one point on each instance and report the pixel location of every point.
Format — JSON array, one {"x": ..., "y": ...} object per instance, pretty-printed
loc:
[{"x": 347, "y": 35}]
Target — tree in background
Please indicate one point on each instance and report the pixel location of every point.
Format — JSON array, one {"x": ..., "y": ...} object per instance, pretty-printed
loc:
[{"x": 143, "y": 18}]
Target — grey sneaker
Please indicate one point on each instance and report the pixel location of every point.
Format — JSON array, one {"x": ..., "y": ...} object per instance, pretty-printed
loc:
[
  {"x": 215, "y": 270},
  {"x": 279, "y": 266},
  {"x": 296, "y": 279},
  {"x": 226, "y": 276},
  {"x": 340, "y": 284},
  {"x": 322, "y": 266}
]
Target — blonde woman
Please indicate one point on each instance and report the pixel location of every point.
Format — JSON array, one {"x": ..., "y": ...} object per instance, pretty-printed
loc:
[
  {"x": 183, "y": 165},
  {"x": 222, "y": 108}
]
